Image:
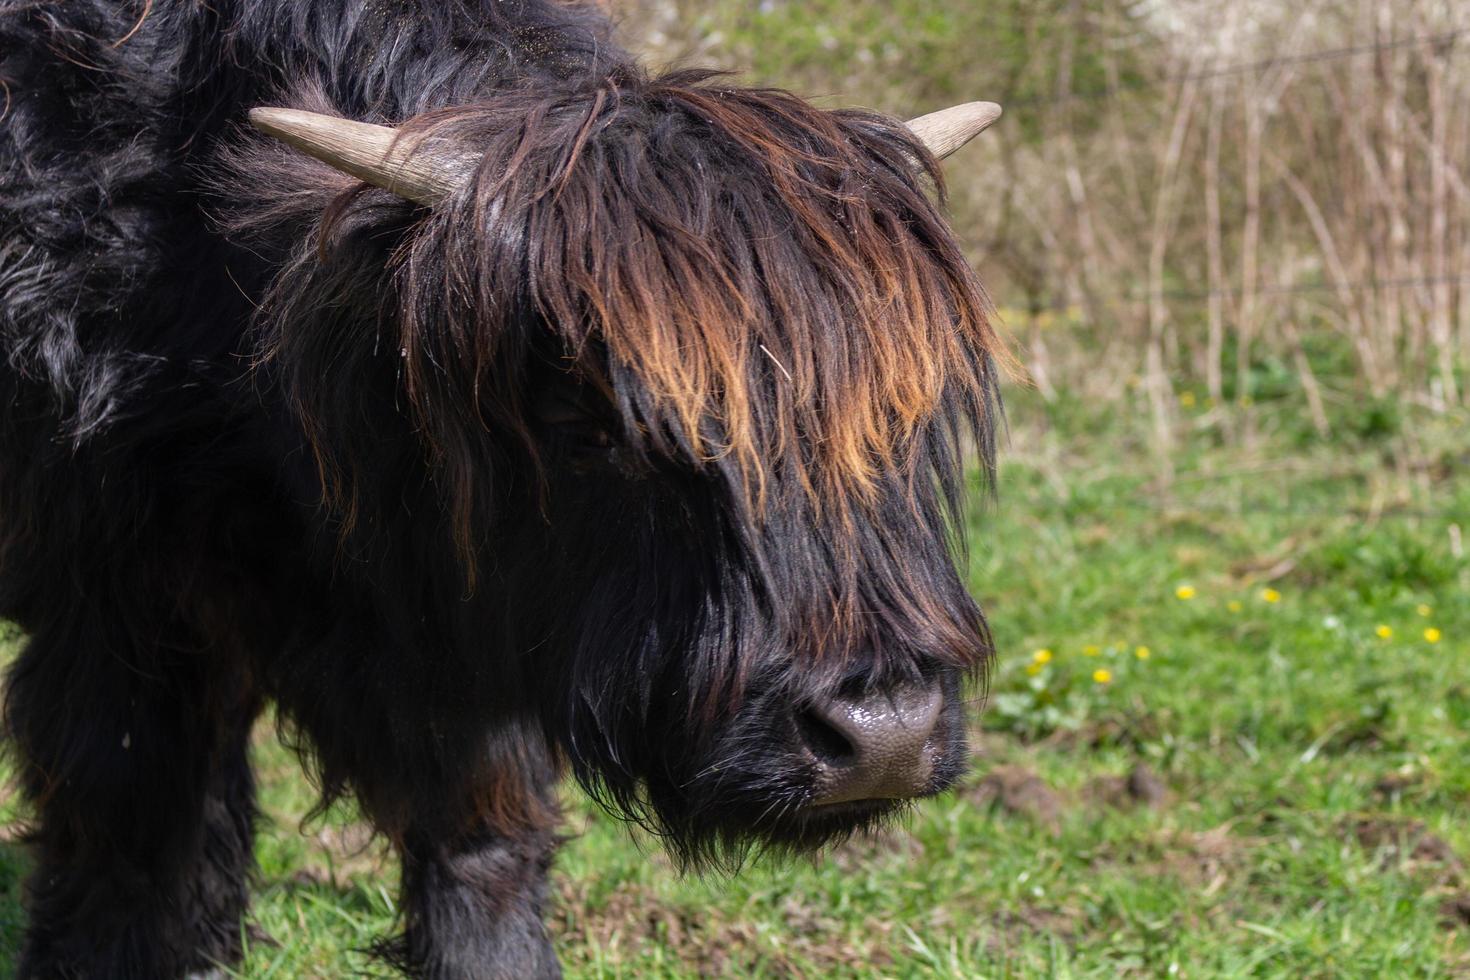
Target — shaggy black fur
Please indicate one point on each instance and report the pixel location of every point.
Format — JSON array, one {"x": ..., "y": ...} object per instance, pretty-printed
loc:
[{"x": 648, "y": 437}]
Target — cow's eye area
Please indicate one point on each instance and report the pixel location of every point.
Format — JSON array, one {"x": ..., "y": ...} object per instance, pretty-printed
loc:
[
  {"x": 585, "y": 435},
  {"x": 576, "y": 423}
]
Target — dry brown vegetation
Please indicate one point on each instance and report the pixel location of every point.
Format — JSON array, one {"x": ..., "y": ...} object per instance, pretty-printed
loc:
[{"x": 1182, "y": 190}]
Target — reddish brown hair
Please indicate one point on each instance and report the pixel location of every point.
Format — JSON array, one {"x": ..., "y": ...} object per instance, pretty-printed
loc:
[{"x": 773, "y": 275}]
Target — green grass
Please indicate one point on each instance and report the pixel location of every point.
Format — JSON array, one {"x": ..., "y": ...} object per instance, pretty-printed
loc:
[{"x": 1317, "y": 773}]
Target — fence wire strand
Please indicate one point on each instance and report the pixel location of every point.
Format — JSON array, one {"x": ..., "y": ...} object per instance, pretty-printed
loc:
[{"x": 1447, "y": 38}]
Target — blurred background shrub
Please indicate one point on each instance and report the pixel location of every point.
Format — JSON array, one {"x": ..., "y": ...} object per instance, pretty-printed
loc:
[{"x": 1257, "y": 198}]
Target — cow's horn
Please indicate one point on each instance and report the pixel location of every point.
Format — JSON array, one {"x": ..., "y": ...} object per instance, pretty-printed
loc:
[
  {"x": 421, "y": 173},
  {"x": 947, "y": 130}
]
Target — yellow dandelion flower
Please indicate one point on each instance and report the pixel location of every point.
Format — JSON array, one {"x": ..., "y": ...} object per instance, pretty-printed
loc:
[
  {"x": 1185, "y": 592},
  {"x": 1423, "y": 609},
  {"x": 1041, "y": 657},
  {"x": 1091, "y": 650},
  {"x": 1143, "y": 653},
  {"x": 1186, "y": 398},
  {"x": 1270, "y": 595},
  {"x": 1234, "y": 605},
  {"x": 1033, "y": 669},
  {"x": 1384, "y": 631},
  {"x": 1432, "y": 635},
  {"x": 1102, "y": 676}
]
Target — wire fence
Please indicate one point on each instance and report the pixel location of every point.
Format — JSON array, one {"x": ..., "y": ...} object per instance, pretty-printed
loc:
[
  {"x": 1164, "y": 503},
  {"x": 1361, "y": 286},
  {"x": 1445, "y": 43},
  {"x": 1164, "y": 506},
  {"x": 1447, "y": 38},
  {"x": 1289, "y": 289}
]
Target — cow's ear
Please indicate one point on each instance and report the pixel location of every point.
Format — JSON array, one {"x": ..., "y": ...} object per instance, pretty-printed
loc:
[
  {"x": 420, "y": 169},
  {"x": 947, "y": 130}
]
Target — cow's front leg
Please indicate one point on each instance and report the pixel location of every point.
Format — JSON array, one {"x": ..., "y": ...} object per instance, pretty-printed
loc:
[
  {"x": 474, "y": 906},
  {"x": 134, "y": 761},
  {"x": 475, "y": 883}
]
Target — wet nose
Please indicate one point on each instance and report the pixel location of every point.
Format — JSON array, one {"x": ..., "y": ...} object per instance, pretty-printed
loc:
[{"x": 875, "y": 746}]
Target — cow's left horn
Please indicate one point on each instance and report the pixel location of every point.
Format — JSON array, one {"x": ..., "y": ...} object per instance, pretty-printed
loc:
[
  {"x": 947, "y": 130},
  {"x": 408, "y": 167}
]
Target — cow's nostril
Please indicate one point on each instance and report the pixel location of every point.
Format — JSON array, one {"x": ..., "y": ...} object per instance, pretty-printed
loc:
[
  {"x": 823, "y": 741},
  {"x": 876, "y": 745}
]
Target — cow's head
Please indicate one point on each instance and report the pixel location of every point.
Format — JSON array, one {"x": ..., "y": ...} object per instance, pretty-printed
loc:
[{"x": 695, "y": 371}]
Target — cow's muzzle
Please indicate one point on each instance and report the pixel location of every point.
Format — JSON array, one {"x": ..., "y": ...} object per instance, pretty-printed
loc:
[{"x": 877, "y": 746}]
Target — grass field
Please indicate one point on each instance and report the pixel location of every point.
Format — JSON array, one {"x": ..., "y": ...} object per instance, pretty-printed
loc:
[{"x": 1242, "y": 753}]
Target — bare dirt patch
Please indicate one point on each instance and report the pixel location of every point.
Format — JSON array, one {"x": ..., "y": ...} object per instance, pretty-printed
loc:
[
  {"x": 1019, "y": 791},
  {"x": 1454, "y": 911},
  {"x": 635, "y": 919},
  {"x": 1206, "y": 859},
  {"x": 1128, "y": 729},
  {"x": 1398, "y": 784},
  {"x": 1141, "y": 787},
  {"x": 1012, "y": 928},
  {"x": 1398, "y": 842}
]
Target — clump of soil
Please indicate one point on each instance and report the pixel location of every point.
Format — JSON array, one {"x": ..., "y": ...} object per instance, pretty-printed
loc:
[
  {"x": 1141, "y": 787},
  {"x": 1454, "y": 912},
  {"x": 1019, "y": 791},
  {"x": 1132, "y": 730},
  {"x": 1404, "y": 840},
  {"x": 1393, "y": 785},
  {"x": 1011, "y": 928}
]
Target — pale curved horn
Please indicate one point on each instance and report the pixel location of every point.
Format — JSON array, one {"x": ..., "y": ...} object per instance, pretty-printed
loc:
[
  {"x": 425, "y": 174},
  {"x": 947, "y": 130}
]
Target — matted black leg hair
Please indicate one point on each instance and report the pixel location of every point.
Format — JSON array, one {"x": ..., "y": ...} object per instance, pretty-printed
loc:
[
  {"x": 474, "y": 907},
  {"x": 143, "y": 807}
]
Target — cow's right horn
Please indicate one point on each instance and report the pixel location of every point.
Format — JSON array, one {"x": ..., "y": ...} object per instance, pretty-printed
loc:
[
  {"x": 947, "y": 130},
  {"x": 409, "y": 167}
]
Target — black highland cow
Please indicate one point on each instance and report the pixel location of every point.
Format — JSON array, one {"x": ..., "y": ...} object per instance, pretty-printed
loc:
[{"x": 588, "y": 420}]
